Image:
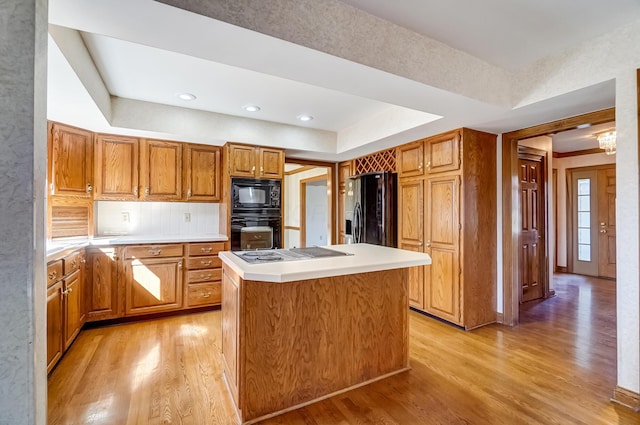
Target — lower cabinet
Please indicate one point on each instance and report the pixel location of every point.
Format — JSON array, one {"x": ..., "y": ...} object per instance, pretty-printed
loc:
[
  {"x": 102, "y": 297},
  {"x": 203, "y": 274},
  {"x": 73, "y": 302},
  {"x": 152, "y": 285},
  {"x": 54, "y": 324}
]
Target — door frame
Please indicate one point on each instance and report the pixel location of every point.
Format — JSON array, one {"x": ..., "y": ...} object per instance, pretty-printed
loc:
[
  {"x": 570, "y": 221},
  {"x": 303, "y": 208},
  {"x": 510, "y": 195},
  {"x": 528, "y": 153}
]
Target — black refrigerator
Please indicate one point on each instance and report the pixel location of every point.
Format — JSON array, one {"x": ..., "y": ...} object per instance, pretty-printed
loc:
[{"x": 371, "y": 209}]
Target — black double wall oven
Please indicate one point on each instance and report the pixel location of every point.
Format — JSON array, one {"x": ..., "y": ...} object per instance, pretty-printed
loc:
[{"x": 256, "y": 215}]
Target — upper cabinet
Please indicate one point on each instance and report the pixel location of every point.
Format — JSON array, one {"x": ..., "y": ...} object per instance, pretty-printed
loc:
[
  {"x": 160, "y": 170},
  {"x": 70, "y": 171},
  {"x": 435, "y": 154},
  {"x": 116, "y": 168},
  {"x": 256, "y": 162},
  {"x": 202, "y": 172}
]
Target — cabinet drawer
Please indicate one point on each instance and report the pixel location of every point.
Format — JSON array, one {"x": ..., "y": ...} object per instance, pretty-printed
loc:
[
  {"x": 204, "y": 293},
  {"x": 203, "y": 262},
  {"x": 71, "y": 263},
  {"x": 54, "y": 272},
  {"x": 207, "y": 248},
  {"x": 153, "y": 251},
  {"x": 204, "y": 275}
]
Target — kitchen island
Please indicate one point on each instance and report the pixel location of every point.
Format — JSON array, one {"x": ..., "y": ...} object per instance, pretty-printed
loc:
[{"x": 295, "y": 332}]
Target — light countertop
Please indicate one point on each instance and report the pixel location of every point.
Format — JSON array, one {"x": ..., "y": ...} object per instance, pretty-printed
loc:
[
  {"x": 60, "y": 245},
  {"x": 365, "y": 258}
]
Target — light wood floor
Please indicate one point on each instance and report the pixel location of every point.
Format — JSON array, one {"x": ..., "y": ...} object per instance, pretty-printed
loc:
[{"x": 557, "y": 367}]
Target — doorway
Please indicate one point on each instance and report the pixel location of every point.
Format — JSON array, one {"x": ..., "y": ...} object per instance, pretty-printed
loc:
[
  {"x": 316, "y": 177},
  {"x": 591, "y": 219}
]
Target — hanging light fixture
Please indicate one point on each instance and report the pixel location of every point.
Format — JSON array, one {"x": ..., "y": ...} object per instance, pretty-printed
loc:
[{"x": 607, "y": 141}]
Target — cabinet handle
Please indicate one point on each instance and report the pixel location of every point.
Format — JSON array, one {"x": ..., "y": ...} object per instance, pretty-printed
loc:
[
  {"x": 89, "y": 187},
  {"x": 205, "y": 263},
  {"x": 207, "y": 295},
  {"x": 420, "y": 166},
  {"x": 180, "y": 265},
  {"x": 83, "y": 260},
  {"x": 67, "y": 291},
  {"x": 74, "y": 264},
  {"x": 428, "y": 244},
  {"x": 155, "y": 251},
  {"x": 135, "y": 191},
  {"x": 253, "y": 169},
  {"x": 420, "y": 243},
  {"x": 53, "y": 274},
  {"x": 189, "y": 193},
  {"x": 206, "y": 249},
  {"x": 146, "y": 190},
  {"x": 207, "y": 277},
  {"x": 261, "y": 170},
  {"x": 428, "y": 165}
]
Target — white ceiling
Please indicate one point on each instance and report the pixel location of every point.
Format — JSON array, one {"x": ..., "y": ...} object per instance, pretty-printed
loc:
[{"x": 140, "y": 55}]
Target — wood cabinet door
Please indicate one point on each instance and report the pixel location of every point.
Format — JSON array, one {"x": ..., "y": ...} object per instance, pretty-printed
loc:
[
  {"x": 116, "y": 168},
  {"x": 231, "y": 331},
  {"x": 442, "y": 233},
  {"x": 54, "y": 324},
  {"x": 271, "y": 163},
  {"x": 73, "y": 307},
  {"x": 341, "y": 217},
  {"x": 242, "y": 161},
  {"x": 202, "y": 173},
  {"x": 152, "y": 285},
  {"x": 442, "y": 152},
  {"x": 70, "y": 161},
  {"x": 101, "y": 284},
  {"x": 410, "y": 234},
  {"x": 161, "y": 170},
  {"x": 409, "y": 159}
]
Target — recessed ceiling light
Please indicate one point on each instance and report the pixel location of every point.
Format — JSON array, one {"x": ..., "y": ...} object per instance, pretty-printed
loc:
[
  {"x": 251, "y": 108},
  {"x": 186, "y": 96},
  {"x": 304, "y": 117}
]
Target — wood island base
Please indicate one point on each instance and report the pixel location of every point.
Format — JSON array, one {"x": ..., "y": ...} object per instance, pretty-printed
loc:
[{"x": 286, "y": 345}]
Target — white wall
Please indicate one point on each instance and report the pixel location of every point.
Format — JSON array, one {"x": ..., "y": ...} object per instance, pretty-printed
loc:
[
  {"x": 156, "y": 218},
  {"x": 561, "y": 165}
]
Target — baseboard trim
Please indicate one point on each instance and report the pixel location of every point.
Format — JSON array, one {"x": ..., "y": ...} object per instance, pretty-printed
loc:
[
  {"x": 626, "y": 398},
  {"x": 500, "y": 318},
  {"x": 560, "y": 269}
]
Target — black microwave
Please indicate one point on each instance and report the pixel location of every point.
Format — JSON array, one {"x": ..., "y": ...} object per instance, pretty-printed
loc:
[{"x": 255, "y": 194}]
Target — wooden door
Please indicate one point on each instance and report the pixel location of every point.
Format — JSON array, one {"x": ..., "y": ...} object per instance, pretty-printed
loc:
[
  {"x": 409, "y": 159},
  {"x": 73, "y": 307},
  {"x": 442, "y": 234},
  {"x": 271, "y": 163},
  {"x": 607, "y": 223},
  {"x": 152, "y": 285},
  {"x": 532, "y": 230},
  {"x": 410, "y": 234},
  {"x": 70, "y": 161},
  {"x": 161, "y": 170},
  {"x": 242, "y": 161},
  {"x": 54, "y": 324},
  {"x": 202, "y": 173},
  {"x": 442, "y": 152},
  {"x": 116, "y": 168},
  {"x": 102, "y": 300}
]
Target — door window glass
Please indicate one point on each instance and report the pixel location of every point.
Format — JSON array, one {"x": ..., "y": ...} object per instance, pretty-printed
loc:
[{"x": 584, "y": 219}]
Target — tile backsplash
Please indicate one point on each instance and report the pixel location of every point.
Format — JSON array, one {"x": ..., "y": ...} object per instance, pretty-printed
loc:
[{"x": 156, "y": 218}]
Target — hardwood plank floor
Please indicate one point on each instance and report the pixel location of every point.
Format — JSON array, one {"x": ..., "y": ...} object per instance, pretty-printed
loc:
[{"x": 557, "y": 367}]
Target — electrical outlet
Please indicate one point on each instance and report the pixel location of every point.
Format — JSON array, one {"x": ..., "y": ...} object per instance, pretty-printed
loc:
[
  {"x": 125, "y": 217},
  {"x": 187, "y": 217}
]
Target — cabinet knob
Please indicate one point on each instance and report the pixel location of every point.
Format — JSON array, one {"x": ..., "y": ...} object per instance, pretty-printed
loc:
[
  {"x": 67, "y": 291},
  {"x": 261, "y": 170},
  {"x": 420, "y": 243},
  {"x": 428, "y": 165},
  {"x": 53, "y": 275},
  {"x": 428, "y": 244},
  {"x": 189, "y": 193},
  {"x": 146, "y": 190},
  {"x": 180, "y": 265},
  {"x": 603, "y": 230},
  {"x": 420, "y": 166},
  {"x": 135, "y": 191},
  {"x": 74, "y": 264},
  {"x": 89, "y": 187},
  {"x": 253, "y": 169}
]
